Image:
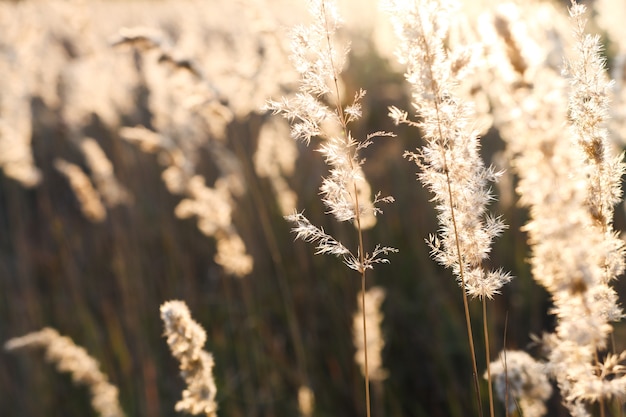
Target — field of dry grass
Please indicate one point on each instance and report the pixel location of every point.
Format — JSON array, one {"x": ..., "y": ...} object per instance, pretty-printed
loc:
[{"x": 141, "y": 162}]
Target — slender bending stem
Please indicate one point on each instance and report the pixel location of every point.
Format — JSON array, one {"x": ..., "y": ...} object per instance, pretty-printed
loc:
[
  {"x": 357, "y": 212},
  {"x": 506, "y": 371},
  {"x": 442, "y": 139},
  {"x": 367, "y": 382},
  {"x": 468, "y": 321},
  {"x": 487, "y": 355}
]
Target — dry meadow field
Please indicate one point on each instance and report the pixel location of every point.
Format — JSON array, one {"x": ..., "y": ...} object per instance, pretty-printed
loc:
[{"x": 174, "y": 175}]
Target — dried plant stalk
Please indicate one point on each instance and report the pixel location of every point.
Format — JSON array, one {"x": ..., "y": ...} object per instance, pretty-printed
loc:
[
  {"x": 74, "y": 360},
  {"x": 316, "y": 111},
  {"x": 186, "y": 339},
  {"x": 450, "y": 164}
]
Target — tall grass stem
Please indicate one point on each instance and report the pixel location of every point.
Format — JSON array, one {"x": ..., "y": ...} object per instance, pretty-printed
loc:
[
  {"x": 357, "y": 209},
  {"x": 487, "y": 356}
]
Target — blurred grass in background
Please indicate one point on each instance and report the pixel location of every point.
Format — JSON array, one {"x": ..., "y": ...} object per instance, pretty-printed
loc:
[{"x": 102, "y": 284}]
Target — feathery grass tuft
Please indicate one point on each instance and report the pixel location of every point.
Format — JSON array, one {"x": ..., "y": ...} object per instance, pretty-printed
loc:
[{"x": 186, "y": 339}]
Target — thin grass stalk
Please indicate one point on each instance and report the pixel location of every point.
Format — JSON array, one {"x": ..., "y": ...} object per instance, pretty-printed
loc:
[
  {"x": 618, "y": 403},
  {"x": 357, "y": 211},
  {"x": 432, "y": 73},
  {"x": 468, "y": 320},
  {"x": 487, "y": 356},
  {"x": 429, "y": 58},
  {"x": 309, "y": 112},
  {"x": 367, "y": 378},
  {"x": 470, "y": 336},
  {"x": 506, "y": 371}
]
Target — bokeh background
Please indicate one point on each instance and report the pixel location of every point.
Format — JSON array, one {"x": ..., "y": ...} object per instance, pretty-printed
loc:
[{"x": 289, "y": 321}]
